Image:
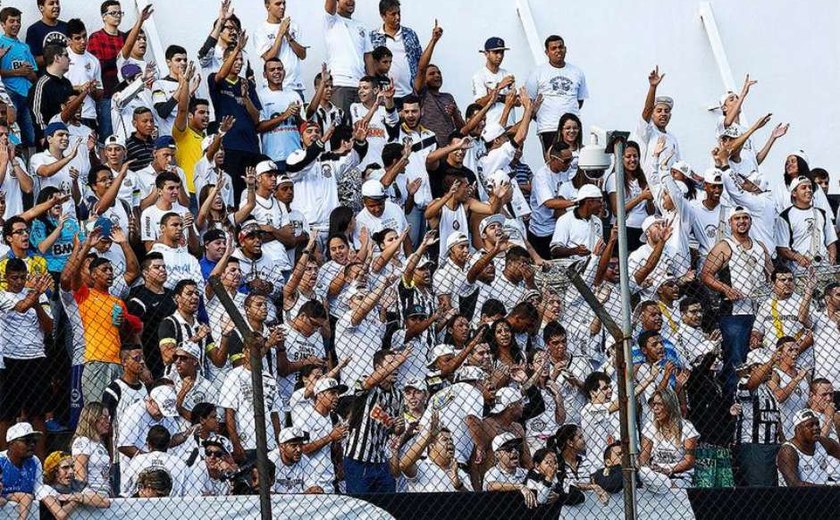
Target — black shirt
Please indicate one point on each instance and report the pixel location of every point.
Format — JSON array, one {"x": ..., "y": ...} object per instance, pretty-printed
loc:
[
  {"x": 47, "y": 96},
  {"x": 140, "y": 151},
  {"x": 443, "y": 169},
  {"x": 151, "y": 308}
]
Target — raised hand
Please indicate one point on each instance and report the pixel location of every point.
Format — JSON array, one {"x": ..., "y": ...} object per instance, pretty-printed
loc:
[
  {"x": 242, "y": 41},
  {"x": 763, "y": 121},
  {"x": 659, "y": 147},
  {"x": 226, "y": 124},
  {"x": 250, "y": 177},
  {"x": 360, "y": 131},
  {"x": 747, "y": 84},
  {"x": 655, "y": 78},
  {"x": 414, "y": 186},
  {"x": 780, "y": 130},
  {"x": 118, "y": 235},
  {"x": 437, "y": 31},
  {"x": 147, "y": 12},
  {"x": 284, "y": 27}
]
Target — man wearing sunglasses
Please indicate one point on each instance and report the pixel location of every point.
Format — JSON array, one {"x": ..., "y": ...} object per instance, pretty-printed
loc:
[
  {"x": 546, "y": 202},
  {"x": 20, "y": 469}
]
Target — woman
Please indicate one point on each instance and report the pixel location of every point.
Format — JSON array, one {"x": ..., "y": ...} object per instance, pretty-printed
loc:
[
  {"x": 457, "y": 331},
  {"x": 342, "y": 222},
  {"x": 789, "y": 384},
  {"x": 573, "y": 471},
  {"x": 213, "y": 212},
  {"x": 503, "y": 345},
  {"x": 638, "y": 199},
  {"x": 668, "y": 442},
  {"x": 61, "y": 493},
  {"x": 91, "y": 460},
  {"x": 387, "y": 260},
  {"x": 796, "y": 165},
  {"x": 301, "y": 285},
  {"x": 206, "y": 417},
  {"x": 569, "y": 132},
  {"x": 53, "y": 233},
  {"x": 339, "y": 271},
  {"x": 153, "y": 483}
]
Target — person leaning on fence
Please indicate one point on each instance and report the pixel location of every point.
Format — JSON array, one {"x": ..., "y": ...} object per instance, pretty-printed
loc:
[
  {"x": 439, "y": 470},
  {"x": 62, "y": 493},
  {"x": 212, "y": 473},
  {"x": 158, "y": 456},
  {"x": 821, "y": 401},
  {"x": 91, "y": 460},
  {"x": 20, "y": 469},
  {"x": 668, "y": 441},
  {"x": 153, "y": 483},
  {"x": 803, "y": 460},
  {"x": 292, "y": 469},
  {"x": 507, "y": 474}
]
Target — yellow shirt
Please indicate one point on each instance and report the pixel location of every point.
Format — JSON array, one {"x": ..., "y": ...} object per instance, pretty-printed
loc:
[
  {"x": 35, "y": 264},
  {"x": 187, "y": 152}
]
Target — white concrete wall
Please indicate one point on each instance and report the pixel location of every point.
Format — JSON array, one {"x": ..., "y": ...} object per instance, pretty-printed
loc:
[{"x": 791, "y": 48}]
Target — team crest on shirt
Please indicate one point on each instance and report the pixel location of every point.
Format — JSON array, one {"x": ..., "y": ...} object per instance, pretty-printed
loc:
[
  {"x": 326, "y": 170},
  {"x": 560, "y": 84},
  {"x": 456, "y": 225},
  {"x": 711, "y": 231},
  {"x": 55, "y": 38},
  {"x": 809, "y": 225}
]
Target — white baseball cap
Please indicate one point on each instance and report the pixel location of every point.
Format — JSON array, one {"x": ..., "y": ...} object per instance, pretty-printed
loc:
[
  {"x": 328, "y": 383},
  {"x": 115, "y": 140},
  {"x": 417, "y": 383},
  {"x": 292, "y": 435},
  {"x": 646, "y": 224},
  {"x": 189, "y": 348},
  {"x": 724, "y": 97},
  {"x": 505, "y": 397},
  {"x": 439, "y": 351},
  {"x": 757, "y": 356},
  {"x": 799, "y": 181},
  {"x": 491, "y": 131},
  {"x": 470, "y": 373},
  {"x": 799, "y": 153},
  {"x": 588, "y": 191},
  {"x": 19, "y": 431},
  {"x": 373, "y": 189},
  {"x": 504, "y": 438},
  {"x": 266, "y": 167},
  {"x": 740, "y": 210},
  {"x": 682, "y": 167},
  {"x": 804, "y": 415},
  {"x": 454, "y": 239},
  {"x": 713, "y": 176},
  {"x": 486, "y": 221},
  {"x": 164, "y": 396}
]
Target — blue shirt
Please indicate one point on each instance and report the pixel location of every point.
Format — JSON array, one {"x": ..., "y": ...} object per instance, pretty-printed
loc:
[
  {"x": 671, "y": 354},
  {"x": 39, "y": 35},
  {"x": 59, "y": 253},
  {"x": 20, "y": 480},
  {"x": 228, "y": 101},
  {"x": 18, "y": 55}
]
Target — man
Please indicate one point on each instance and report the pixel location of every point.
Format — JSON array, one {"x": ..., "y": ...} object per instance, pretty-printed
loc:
[
  {"x": 423, "y": 142},
  {"x": 237, "y": 398},
  {"x": 106, "y": 44},
  {"x": 376, "y": 109},
  {"x": 451, "y": 283},
  {"x": 24, "y": 321},
  {"x": 325, "y": 434},
  {"x": 821, "y": 402},
  {"x": 280, "y": 114},
  {"x": 562, "y": 85},
  {"x": 735, "y": 268},
  {"x": 168, "y": 195},
  {"x": 188, "y": 130},
  {"x": 152, "y": 302},
  {"x": 163, "y": 160},
  {"x": 53, "y": 166},
  {"x": 785, "y": 313},
  {"x": 440, "y": 111},
  {"x": 438, "y": 472},
  {"x": 158, "y": 457},
  {"x": 492, "y": 77},
  {"x": 16, "y": 235},
  {"x": 192, "y": 387},
  {"x": 577, "y": 231},
  {"x": 804, "y": 459},
  {"x": 403, "y": 44},
  {"x": 182, "y": 329},
  {"x": 285, "y": 193},
  {"x": 573, "y": 370},
  {"x": 691, "y": 340},
  {"x": 21, "y": 470},
  {"x": 84, "y": 70},
  {"x": 504, "y": 417},
  {"x": 303, "y": 345},
  {"x": 49, "y": 30},
  {"x": 256, "y": 308},
  {"x": 826, "y": 332},
  {"x": 508, "y": 474},
  {"x": 166, "y": 91},
  {"x": 709, "y": 216},
  {"x": 545, "y": 198},
  {"x": 279, "y": 38},
  {"x": 140, "y": 145},
  {"x": 17, "y": 68},
  {"x": 379, "y": 212},
  {"x": 271, "y": 215},
  {"x": 260, "y": 268},
  {"x": 180, "y": 264},
  {"x": 805, "y": 234},
  {"x": 653, "y": 124},
  {"x": 373, "y": 417},
  {"x": 292, "y": 469},
  {"x": 348, "y": 51},
  {"x": 53, "y": 88}
]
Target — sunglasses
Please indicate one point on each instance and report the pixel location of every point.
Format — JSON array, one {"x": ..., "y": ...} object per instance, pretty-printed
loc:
[
  {"x": 182, "y": 357},
  {"x": 214, "y": 454}
]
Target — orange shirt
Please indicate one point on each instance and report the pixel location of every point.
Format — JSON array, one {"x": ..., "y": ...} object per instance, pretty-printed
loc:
[{"x": 102, "y": 337}]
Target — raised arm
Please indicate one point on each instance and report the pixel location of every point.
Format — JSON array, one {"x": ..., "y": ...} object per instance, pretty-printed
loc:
[
  {"x": 478, "y": 116},
  {"x": 370, "y": 301},
  {"x": 315, "y": 102},
  {"x": 733, "y": 114},
  {"x": 525, "y": 123},
  {"x": 654, "y": 79},
  {"x": 250, "y": 196},
  {"x": 227, "y": 65},
  {"x": 131, "y": 39},
  {"x": 408, "y": 462},
  {"x": 330, "y": 6},
  {"x": 290, "y": 288},
  {"x": 426, "y": 58},
  {"x": 780, "y": 130}
]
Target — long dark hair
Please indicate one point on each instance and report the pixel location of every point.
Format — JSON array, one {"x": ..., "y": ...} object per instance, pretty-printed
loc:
[
  {"x": 570, "y": 117},
  {"x": 490, "y": 339},
  {"x": 340, "y": 219},
  {"x": 44, "y": 218},
  {"x": 804, "y": 170},
  {"x": 639, "y": 174}
]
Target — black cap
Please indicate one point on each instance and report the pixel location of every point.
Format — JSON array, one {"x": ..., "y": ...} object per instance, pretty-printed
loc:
[{"x": 212, "y": 235}]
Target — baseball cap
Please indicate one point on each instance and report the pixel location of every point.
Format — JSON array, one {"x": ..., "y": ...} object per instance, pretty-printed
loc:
[
  {"x": 416, "y": 310},
  {"x": 292, "y": 435},
  {"x": 438, "y": 352},
  {"x": 798, "y": 181},
  {"x": 284, "y": 179},
  {"x": 53, "y": 128},
  {"x": 54, "y": 459},
  {"x": 105, "y": 225},
  {"x": 164, "y": 396},
  {"x": 20, "y": 431},
  {"x": 732, "y": 132},
  {"x": 499, "y": 441},
  {"x": 724, "y": 97},
  {"x": 305, "y": 125},
  {"x": 164, "y": 141},
  {"x": 647, "y": 223},
  {"x": 266, "y": 167},
  {"x": 249, "y": 228},
  {"x": 189, "y": 348},
  {"x": 492, "y": 219},
  {"x": 713, "y": 176},
  {"x": 469, "y": 373},
  {"x": 494, "y": 43},
  {"x": 454, "y": 239},
  {"x": 417, "y": 383},
  {"x": 757, "y": 356},
  {"x": 214, "y": 441},
  {"x": 373, "y": 189},
  {"x": 804, "y": 415},
  {"x": 491, "y": 131},
  {"x": 740, "y": 210},
  {"x": 799, "y": 153},
  {"x": 505, "y": 397},
  {"x": 129, "y": 70},
  {"x": 424, "y": 261},
  {"x": 329, "y": 383},
  {"x": 664, "y": 100},
  {"x": 588, "y": 191},
  {"x": 115, "y": 140},
  {"x": 683, "y": 187},
  {"x": 682, "y": 167},
  {"x": 213, "y": 235}
]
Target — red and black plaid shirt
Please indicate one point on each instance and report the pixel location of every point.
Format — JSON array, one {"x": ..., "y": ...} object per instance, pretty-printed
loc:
[{"x": 106, "y": 48}]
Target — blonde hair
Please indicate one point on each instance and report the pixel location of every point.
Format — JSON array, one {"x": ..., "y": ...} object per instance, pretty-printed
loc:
[
  {"x": 672, "y": 426},
  {"x": 87, "y": 421}
]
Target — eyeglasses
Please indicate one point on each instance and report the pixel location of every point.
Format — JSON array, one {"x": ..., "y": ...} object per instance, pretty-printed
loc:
[
  {"x": 214, "y": 454},
  {"x": 20, "y": 232},
  {"x": 115, "y": 14},
  {"x": 65, "y": 467},
  {"x": 181, "y": 357}
]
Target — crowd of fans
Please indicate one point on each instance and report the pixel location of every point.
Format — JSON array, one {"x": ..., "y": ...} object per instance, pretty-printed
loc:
[{"x": 396, "y": 261}]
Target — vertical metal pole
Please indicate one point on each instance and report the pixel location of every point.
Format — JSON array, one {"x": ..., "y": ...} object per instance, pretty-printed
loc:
[
  {"x": 626, "y": 387},
  {"x": 251, "y": 344}
]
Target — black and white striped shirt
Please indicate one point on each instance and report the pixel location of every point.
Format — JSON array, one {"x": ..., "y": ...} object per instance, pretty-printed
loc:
[
  {"x": 760, "y": 418},
  {"x": 368, "y": 439}
]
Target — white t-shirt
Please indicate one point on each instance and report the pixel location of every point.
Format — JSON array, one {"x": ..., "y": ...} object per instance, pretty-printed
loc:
[
  {"x": 572, "y": 231},
  {"x": 431, "y": 478},
  {"x": 264, "y": 36},
  {"x": 561, "y": 89},
  {"x": 146, "y": 181},
  {"x": 150, "y": 219},
  {"x": 204, "y": 173},
  {"x": 135, "y": 423},
  {"x": 298, "y": 347},
  {"x": 11, "y": 188},
  {"x": 598, "y": 425},
  {"x": 284, "y": 139},
  {"x": 180, "y": 265},
  {"x": 647, "y": 135},
  {"x": 377, "y": 133},
  {"x": 545, "y": 186},
  {"x": 237, "y": 394},
  {"x": 61, "y": 179},
  {"x": 667, "y": 452},
  {"x": 269, "y": 212},
  {"x": 20, "y": 333},
  {"x": 638, "y": 214},
  {"x": 183, "y": 479},
  {"x": 454, "y": 404},
  {"x": 496, "y": 475},
  {"x": 499, "y": 159},
  {"x": 358, "y": 344},
  {"x": 317, "y": 426},
  {"x": 400, "y": 68},
  {"x": 83, "y": 68},
  {"x": 347, "y": 43},
  {"x": 294, "y": 479},
  {"x": 393, "y": 217},
  {"x": 483, "y": 82},
  {"x": 98, "y": 464}
]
